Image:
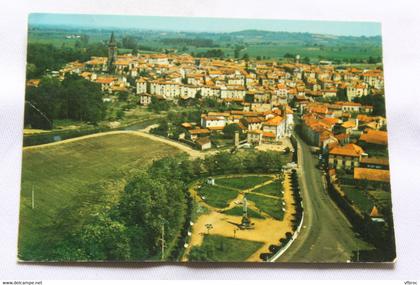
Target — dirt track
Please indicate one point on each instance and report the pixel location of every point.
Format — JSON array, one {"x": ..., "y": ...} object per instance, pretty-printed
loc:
[{"x": 144, "y": 133}]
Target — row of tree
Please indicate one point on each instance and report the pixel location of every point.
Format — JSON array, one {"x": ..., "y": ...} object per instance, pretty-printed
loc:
[{"x": 297, "y": 218}]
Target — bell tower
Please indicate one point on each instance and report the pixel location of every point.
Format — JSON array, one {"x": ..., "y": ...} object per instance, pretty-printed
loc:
[{"x": 112, "y": 53}]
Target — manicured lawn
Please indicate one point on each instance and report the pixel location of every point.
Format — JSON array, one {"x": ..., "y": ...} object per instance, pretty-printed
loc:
[
  {"x": 243, "y": 182},
  {"x": 229, "y": 249},
  {"x": 273, "y": 189},
  {"x": 83, "y": 173},
  {"x": 359, "y": 198},
  {"x": 238, "y": 211},
  {"x": 217, "y": 196},
  {"x": 271, "y": 206}
]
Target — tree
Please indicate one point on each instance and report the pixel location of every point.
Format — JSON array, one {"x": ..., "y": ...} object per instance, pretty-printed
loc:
[
  {"x": 202, "y": 253},
  {"x": 288, "y": 55},
  {"x": 230, "y": 130},
  {"x": 84, "y": 39},
  {"x": 377, "y": 101},
  {"x": 147, "y": 202},
  {"x": 122, "y": 96},
  {"x": 105, "y": 239},
  {"x": 120, "y": 114},
  {"x": 129, "y": 42},
  {"x": 158, "y": 105},
  {"x": 236, "y": 52},
  {"x": 306, "y": 60},
  {"x": 74, "y": 98}
]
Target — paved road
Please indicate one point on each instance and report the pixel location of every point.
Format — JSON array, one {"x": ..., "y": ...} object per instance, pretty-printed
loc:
[{"x": 326, "y": 235}]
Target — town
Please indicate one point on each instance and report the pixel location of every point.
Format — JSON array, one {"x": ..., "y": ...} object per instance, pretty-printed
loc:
[{"x": 331, "y": 117}]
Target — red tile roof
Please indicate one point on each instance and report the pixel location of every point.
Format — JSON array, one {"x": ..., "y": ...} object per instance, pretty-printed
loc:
[
  {"x": 347, "y": 150},
  {"x": 378, "y": 175}
]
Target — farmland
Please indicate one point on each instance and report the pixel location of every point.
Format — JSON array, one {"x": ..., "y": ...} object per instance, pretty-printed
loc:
[
  {"x": 77, "y": 175},
  {"x": 255, "y": 44}
]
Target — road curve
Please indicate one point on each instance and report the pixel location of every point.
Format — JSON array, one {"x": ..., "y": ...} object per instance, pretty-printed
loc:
[{"x": 326, "y": 234}]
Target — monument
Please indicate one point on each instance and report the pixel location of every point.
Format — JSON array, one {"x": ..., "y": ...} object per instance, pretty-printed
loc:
[{"x": 246, "y": 221}]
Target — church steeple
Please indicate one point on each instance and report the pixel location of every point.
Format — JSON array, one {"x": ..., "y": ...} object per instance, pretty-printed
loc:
[{"x": 112, "y": 53}]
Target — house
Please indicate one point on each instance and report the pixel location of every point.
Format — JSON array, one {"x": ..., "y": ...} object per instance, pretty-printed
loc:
[
  {"x": 345, "y": 157},
  {"x": 369, "y": 174},
  {"x": 145, "y": 99},
  {"x": 349, "y": 126},
  {"x": 252, "y": 123},
  {"x": 106, "y": 83},
  {"x": 275, "y": 126},
  {"x": 194, "y": 134},
  {"x": 214, "y": 122},
  {"x": 374, "y": 163},
  {"x": 356, "y": 90},
  {"x": 351, "y": 107},
  {"x": 374, "y": 137},
  {"x": 141, "y": 86},
  {"x": 376, "y": 216},
  {"x": 33, "y": 82},
  {"x": 254, "y": 137},
  {"x": 203, "y": 143}
]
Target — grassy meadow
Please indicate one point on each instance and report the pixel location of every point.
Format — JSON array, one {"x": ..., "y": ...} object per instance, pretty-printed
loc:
[{"x": 73, "y": 177}]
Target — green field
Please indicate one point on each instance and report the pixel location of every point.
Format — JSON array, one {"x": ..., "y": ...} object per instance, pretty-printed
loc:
[
  {"x": 257, "y": 45},
  {"x": 242, "y": 183},
  {"x": 238, "y": 211},
  {"x": 68, "y": 177},
  {"x": 271, "y": 206},
  {"x": 359, "y": 198},
  {"x": 273, "y": 189},
  {"x": 217, "y": 196},
  {"x": 381, "y": 198},
  {"x": 219, "y": 248}
]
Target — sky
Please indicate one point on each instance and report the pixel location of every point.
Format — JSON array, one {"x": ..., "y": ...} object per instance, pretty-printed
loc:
[{"x": 192, "y": 24}]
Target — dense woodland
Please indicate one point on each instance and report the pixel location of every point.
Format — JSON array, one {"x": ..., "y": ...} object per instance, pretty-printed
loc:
[{"x": 73, "y": 98}]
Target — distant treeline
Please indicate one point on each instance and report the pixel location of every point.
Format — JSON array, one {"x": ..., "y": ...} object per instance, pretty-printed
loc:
[
  {"x": 217, "y": 53},
  {"x": 197, "y": 42},
  {"x": 43, "y": 57}
]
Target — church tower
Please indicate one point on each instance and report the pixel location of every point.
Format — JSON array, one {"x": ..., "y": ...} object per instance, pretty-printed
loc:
[{"x": 112, "y": 53}]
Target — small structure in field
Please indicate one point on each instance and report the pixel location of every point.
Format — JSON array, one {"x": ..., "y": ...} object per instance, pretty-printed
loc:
[{"x": 210, "y": 181}]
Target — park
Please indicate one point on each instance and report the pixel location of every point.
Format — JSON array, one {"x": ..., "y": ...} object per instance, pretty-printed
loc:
[{"x": 220, "y": 233}]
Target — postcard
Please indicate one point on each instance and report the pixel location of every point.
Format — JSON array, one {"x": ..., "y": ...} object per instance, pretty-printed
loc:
[{"x": 170, "y": 139}]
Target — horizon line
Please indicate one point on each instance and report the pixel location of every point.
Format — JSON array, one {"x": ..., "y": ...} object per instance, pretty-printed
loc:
[{"x": 205, "y": 24}]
